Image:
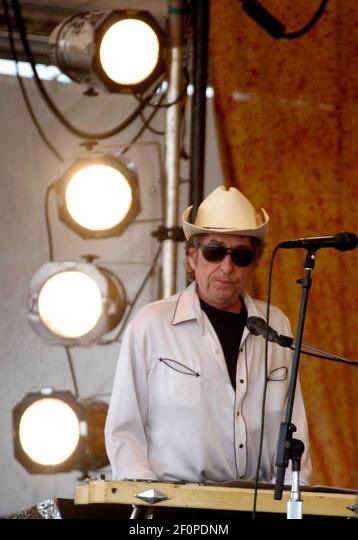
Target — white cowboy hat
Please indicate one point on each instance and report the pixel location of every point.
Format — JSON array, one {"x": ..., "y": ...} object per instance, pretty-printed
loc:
[{"x": 226, "y": 211}]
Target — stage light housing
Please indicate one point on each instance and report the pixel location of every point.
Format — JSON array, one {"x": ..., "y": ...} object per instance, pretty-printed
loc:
[
  {"x": 75, "y": 303},
  {"x": 97, "y": 194},
  {"x": 119, "y": 51},
  {"x": 55, "y": 432}
]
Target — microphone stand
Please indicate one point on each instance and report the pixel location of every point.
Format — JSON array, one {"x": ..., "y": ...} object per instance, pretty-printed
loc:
[
  {"x": 313, "y": 351},
  {"x": 289, "y": 448}
]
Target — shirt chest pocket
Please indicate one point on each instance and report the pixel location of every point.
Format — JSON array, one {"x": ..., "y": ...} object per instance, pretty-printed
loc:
[
  {"x": 175, "y": 383},
  {"x": 278, "y": 374}
]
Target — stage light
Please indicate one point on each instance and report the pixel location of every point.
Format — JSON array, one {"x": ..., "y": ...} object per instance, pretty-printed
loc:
[
  {"x": 55, "y": 432},
  {"x": 120, "y": 50},
  {"x": 97, "y": 195},
  {"x": 75, "y": 303}
]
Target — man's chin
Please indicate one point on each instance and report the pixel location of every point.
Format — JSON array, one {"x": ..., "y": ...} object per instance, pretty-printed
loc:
[
  {"x": 224, "y": 289},
  {"x": 223, "y": 300}
]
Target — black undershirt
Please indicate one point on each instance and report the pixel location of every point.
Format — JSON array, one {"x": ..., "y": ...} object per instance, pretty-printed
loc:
[{"x": 229, "y": 328}]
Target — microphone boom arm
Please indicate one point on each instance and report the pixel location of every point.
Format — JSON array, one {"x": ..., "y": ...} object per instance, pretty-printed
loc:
[
  {"x": 258, "y": 327},
  {"x": 313, "y": 351}
]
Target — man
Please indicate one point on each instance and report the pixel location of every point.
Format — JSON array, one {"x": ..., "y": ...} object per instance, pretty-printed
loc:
[{"x": 187, "y": 397}]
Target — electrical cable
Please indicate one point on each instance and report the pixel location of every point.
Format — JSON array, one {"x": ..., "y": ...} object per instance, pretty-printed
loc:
[
  {"x": 272, "y": 25},
  {"x": 269, "y": 286},
  {"x": 149, "y": 127},
  {"x": 307, "y": 27},
  {"x": 47, "y": 220},
  {"x": 74, "y": 130},
  {"x": 22, "y": 86},
  {"x": 166, "y": 105},
  {"x": 73, "y": 374},
  {"x": 116, "y": 338},
  {"x": 142, "y": 129}
]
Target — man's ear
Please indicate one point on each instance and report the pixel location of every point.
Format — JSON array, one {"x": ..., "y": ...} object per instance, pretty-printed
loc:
[{"x": 192, "y": 257}]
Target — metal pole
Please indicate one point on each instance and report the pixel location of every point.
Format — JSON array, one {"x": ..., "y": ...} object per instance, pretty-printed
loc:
[
  {"x": 198, "y": 115},
  {"x": 285, "y": 441},
  {"x": 172, "y": 142}
]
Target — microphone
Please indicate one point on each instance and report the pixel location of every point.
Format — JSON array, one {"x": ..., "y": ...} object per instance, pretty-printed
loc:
[
  {"x": 258, "y": 327},
  {"x": 343, "y": 241}
]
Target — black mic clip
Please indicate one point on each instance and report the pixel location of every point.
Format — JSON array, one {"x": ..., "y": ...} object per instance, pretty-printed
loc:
[
  {"x": 259, "y": 327},
  {"x": 284, "y": 341}
]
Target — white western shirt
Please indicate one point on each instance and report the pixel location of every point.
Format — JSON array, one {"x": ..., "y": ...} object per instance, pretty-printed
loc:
[{"x": 174, "y": 414}]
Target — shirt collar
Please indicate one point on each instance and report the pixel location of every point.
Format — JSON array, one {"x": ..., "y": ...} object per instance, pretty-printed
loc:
[{"x": 187, "y": 306}]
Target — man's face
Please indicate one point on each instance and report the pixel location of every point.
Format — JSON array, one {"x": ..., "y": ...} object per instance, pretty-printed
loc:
[{"x": 220, "y": 283}]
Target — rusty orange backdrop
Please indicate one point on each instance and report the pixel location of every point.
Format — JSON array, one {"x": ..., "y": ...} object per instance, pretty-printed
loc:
[{"x": 286, "y": 115}]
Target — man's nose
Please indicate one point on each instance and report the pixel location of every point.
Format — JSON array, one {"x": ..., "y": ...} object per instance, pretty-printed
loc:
[{"x": 226, "y": 264}]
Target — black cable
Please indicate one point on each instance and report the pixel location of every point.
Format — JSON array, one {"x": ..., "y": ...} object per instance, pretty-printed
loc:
[
  {"x": 307, "y": 27},
  {"x": 183, "y": 152},
  {"x": 75, "y": 131},
  {"x": 269, "y": 286},
  {"x": 47, "y": 220},
  {"x": 138, "y": 293},
  {"x": 149, "y": 127},
  {"x": 22, "y": 86},
  {"x": 73, "y": 374},
  {"x": 272, "y": 25},
  {"x": 142, "y": 129},
  {"x": 166, "y": 105},
  {"x": 35, "y": 121}
]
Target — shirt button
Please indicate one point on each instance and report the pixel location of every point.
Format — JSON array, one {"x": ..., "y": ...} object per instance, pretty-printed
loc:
[
  {"x": 241, "y": 477},
  {"x": 241, "y": 380},
  {"x": 238, "y": 413},
  {"x": 241, "y": 446}
]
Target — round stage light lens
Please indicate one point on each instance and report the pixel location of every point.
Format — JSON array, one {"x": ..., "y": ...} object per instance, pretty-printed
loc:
[
  {"x": 70, "y": 304},
  {"x": 98, "y": 197},
  {"x": 129, "y": 51},
  {"x": 49, "y": 431}
]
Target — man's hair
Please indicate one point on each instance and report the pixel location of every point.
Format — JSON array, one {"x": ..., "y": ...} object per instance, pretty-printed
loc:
[{"x": 194, "y": 241}]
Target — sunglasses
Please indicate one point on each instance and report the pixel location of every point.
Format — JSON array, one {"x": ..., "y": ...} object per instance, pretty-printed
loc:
[{"x": 241, "y": 256}]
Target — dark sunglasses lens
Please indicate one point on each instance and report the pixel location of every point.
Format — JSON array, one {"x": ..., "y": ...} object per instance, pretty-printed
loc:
[
  {"x": 214, "y": 253},
  {"x": 242, "y": 257}
]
